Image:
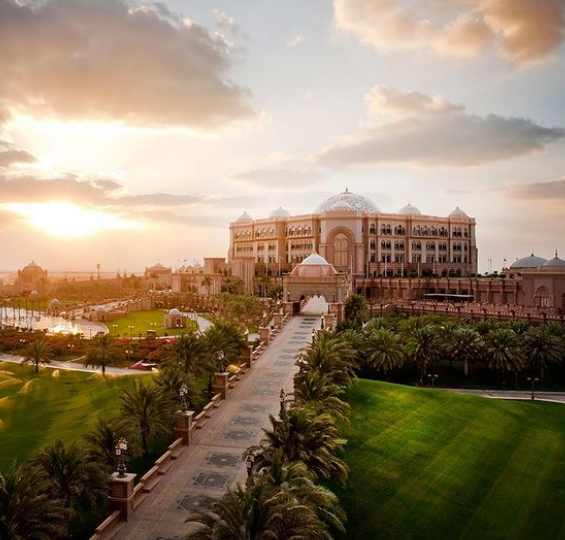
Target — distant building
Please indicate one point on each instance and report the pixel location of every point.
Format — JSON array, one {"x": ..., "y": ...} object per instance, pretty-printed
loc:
[
  {"x": 159, "y": 276},
  {"x": 205, "y": 280},
  {"x": 32, "y": 278}
]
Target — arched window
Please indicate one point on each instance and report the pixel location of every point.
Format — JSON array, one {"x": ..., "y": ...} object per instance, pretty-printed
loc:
[
  {"x": 542, "y": 298},
  {"x": 341, "y": 250}
]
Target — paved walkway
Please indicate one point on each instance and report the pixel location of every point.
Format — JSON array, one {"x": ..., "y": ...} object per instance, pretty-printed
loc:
[
  {"x": 555, "y": 397},
  {"x": 214, "y": 460},
  {"x": 74, "y": 366}
]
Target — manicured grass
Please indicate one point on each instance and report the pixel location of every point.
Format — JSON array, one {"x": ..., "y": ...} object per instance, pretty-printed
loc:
[
  {"x": 431, "y": 465},
  {"x": 141, "y": 321},
  {"x": 37, "y": 409}
]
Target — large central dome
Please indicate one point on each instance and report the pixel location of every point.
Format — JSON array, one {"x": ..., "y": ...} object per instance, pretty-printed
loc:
[{"x": 356, "y": 202}]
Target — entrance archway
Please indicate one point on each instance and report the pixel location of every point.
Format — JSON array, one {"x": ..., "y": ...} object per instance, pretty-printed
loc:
[
  {"x": 313, "y": 304},
  {"x": 542, "y": 297}
]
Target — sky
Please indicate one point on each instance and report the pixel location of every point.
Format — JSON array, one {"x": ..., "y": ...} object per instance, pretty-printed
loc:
[{"x": 133, "y": 132}]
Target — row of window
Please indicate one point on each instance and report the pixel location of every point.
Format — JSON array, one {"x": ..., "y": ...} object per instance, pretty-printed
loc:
[{"x": 430, "y": 259}]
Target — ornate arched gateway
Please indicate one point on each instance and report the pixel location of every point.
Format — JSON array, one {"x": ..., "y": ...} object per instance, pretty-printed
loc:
[{"x": 316, "y": 277}]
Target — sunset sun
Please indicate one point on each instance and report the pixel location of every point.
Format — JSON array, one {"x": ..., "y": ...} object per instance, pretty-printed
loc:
[{"x": 66, "y": 220}]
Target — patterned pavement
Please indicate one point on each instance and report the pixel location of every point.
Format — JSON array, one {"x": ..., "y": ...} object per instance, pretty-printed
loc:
[{"x": 215, "y": 459}]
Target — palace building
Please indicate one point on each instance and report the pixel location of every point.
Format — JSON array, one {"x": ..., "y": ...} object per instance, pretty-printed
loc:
[{"x": 352, "y": 234}]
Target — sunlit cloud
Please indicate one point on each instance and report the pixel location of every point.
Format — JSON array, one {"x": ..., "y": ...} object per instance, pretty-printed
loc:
[
  {"x": 66, "y": 220},
  {"x": 60, "y": 61},
  {"x": 525, "y": 31},
  {"x": 433, "y": 132},
  {"x": 295, "y": 41}
]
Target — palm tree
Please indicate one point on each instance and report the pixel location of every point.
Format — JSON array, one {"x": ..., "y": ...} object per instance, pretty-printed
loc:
[
  {"x": 37, "y": 352},
  {"x": 190, "y": 353},
  {"x": 383, "y": 350},
  {"x": 356, "y": 308},
  {"x": 225, "y": 337},
  {"x": 331, "y": 355},
  {"x": 102, "y": 440},
  {"x": 423, "y": 348},
  {"x": 28, "y": 510},
  {"x": 207, "y": 282},
  {"x": 282, "y": 503},
  {"x": 542, "y": 348},
  {"x": 76, "y": 478},
  {"x": 503, "y": 351},
  {"x": 303, "y": 435},
  {"x": 149, "y": 410},
  {"x": 465, "y": 344},
  {"x": 172, "y": 378},
  {"x": 102, "y": 353},
  {"x": 314, "y": 391}
]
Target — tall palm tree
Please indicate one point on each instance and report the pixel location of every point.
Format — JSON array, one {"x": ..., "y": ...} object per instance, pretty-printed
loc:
[
  {"x": 356, "y": 308},
  {"x": 77, "y": 479},
  {"x": 423, "y": 348},
  {"x": 28, "y": 510},
  {"x": 170, "y": 380},
  {"x": 284, "y": 503},
  {"x": 190, "y": 353},
  {"x": 102, "y": 440},
  {"x": 227, "y": 338},
  {"x": 331, "y": 355},
  {"x": 465, "y": 344},
  {"x": 303, "y": 435},
  {"x": 207, "y": 282},
  {"x": 36, "y": 353},
  {"x": 503, "y": 351},
  {"x": 383, "y": 350},
  {"x": 103, "y": 353},
  {"x": 542, "y": 348},
  {"x": 149, "y": 410},
  {"x": 314, "y": 391}
]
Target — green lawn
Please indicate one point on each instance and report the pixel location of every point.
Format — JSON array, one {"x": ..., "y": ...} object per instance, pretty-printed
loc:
[
  {"x": 430, "y": 465},
  {"x": 36, "y": 409},
  {"x": 141, "y": 322}
]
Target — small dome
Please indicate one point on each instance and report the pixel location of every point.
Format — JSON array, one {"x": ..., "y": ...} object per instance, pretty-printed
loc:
[
  {"x": 314, "y": 266},
  {"x": 54, "y": 302},
  {"x": 33, "y": 264},
  {"x": 458, "y": 213},
  {"x": 409, "y": 210},
  {"x": 175, "y": 312},
  {"x": 315, "y": 259},
  {"x": 280, "y": 212},
  {"x": 158, "y": 265},
  {"x": 33, "y": 293},
  {"x": 556, "y": 261},
  {"x": 529, "y": 262},
  {"x": 356, "y": 202},
  {"x": 100, "y": 309},
  {"x": 244, "y": 218}
]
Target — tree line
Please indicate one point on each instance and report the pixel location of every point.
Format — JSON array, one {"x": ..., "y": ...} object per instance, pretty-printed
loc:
[
  {"x": 48, "y": 497},
  {"x": 285, "y": 494}
]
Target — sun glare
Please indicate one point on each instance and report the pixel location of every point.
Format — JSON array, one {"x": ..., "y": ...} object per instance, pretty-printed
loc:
[{"x": 67, "y": 220}]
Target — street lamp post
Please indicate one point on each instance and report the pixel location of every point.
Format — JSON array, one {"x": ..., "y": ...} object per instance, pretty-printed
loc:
[
  {"x": 115, "y": 327},
  {"x": 128, "y": 352},
  {"x": 183, "y": 393},
  {"x": 533, "y": 380},
  {"x": 130, "y": 328},
  {"x": 249, "y": 461},
  {"x": 282, "y": 400},
  {"x": 433, "y": 378},
  {"x": 121, "y": 449},
  {"x": 220, "y": 356}
]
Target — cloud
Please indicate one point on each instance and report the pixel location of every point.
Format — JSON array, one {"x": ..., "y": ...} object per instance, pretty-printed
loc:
[
  {"x": 278, "y": 179},
  {"x": 526, "y": 32},
  {"x": 427, "y": 131},
  {"x": 295, "y": 41},
  {"x": 114, "y": 60},
  {"x": 13, "y": 157},
  {"x": 552, "y": 190},
  {"x": 158, "y": 199},
  {"x": 223, "y": 20}
]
